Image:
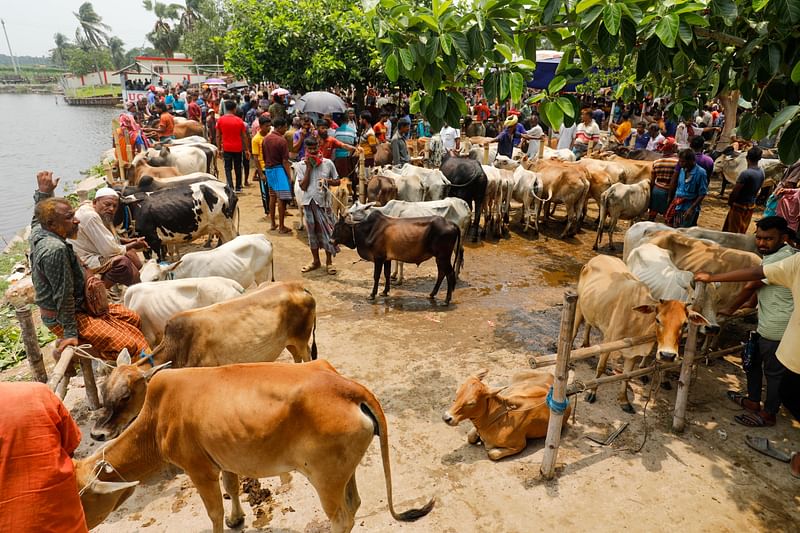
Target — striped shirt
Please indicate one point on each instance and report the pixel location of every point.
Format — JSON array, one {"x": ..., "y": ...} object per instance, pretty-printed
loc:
[
  {"x": 663, "y": 169},
  {"x": 585, "y": 134}
]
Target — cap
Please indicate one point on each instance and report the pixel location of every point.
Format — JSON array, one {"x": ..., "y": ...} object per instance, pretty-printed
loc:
[
  {"x": 403, "y": 121},
  {"x": 105, "y": 191},
  {"x": 511, "y": 121}
]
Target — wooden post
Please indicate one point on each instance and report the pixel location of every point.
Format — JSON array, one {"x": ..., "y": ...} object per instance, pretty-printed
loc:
[
  {"x": 590, "y": 148},
  {"x": 58, "y": 382},
  {"x": 486, "y": 154},
  {"x": 682, "y": 397},
  {"x": 362, "y": 179},
  {"x": 31, "y": 342},
  {"x": 611, "y": 115},
  {"x": 92, "y": 397},
  {"x": 553, "y": 439},
  {"x": 541, "y": 146}
]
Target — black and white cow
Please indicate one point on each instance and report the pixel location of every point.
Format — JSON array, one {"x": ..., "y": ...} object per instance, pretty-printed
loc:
[
  {"x": 151, "y": 184},
  {"x": 180, "y": 214}
]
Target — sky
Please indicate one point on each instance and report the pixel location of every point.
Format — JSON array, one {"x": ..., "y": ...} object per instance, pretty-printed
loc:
[{"x": 32, "y": 24}]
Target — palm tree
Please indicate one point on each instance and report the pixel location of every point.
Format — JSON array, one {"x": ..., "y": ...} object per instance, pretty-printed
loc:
[
  {"x": 62, "y": 43},
  {"x": 91, "y": 25},
  {"x": 191, "y": 14},
  {"x": 116, "y": 47},
  {"x": 164, "y": 36}
]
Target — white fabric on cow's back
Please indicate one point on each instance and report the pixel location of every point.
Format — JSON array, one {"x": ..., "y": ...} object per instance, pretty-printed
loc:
[
  {"x": 156, "y": 302},
  {"x": 654, "y": 267},
  {"x": 454, "y": 210},
  {"x": 563, "y": 154},
  {"x": 187, "y": 158}
]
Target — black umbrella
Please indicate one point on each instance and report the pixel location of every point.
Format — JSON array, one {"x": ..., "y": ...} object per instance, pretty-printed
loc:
[{"x": 321, "y": 102}]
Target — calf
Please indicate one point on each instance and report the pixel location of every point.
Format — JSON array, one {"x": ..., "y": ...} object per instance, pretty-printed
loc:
[
  {"x": 247, "y": 259},
  {"x": 179, "y": 214},
  {"x": 256, "y": 420},
  {"x": 621, "y": 201},
  {"x": 341, "y": 195},
  {"x": 383, "y": 239},
  {"x": 157, "y": 301},
  {"x": 611, "y": 299},
  {"x": 140, "y": 167},
  {"x": 504, "y": 418},
  {"x": 254, "y": 327},
  {"x": 381, "y": 190}
]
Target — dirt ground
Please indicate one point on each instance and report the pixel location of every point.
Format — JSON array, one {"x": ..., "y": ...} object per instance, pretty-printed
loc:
[{"x": 413, "y": 354}]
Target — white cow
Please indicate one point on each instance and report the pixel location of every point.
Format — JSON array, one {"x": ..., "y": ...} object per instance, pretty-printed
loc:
[
  {"x": 188, "y": 159},
  {"x": 621, "y": 201},
  {"x": 641, "y": 232},
  {"x": 563, "y": 154},
  {"x": 156, "y": 302},
  {"x": 730, "y": 166},
  {"x": 247, "y": 259},
  {"x": 497, "y": 200}
]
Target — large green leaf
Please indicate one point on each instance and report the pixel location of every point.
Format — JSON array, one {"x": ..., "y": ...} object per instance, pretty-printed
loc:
[
  {"x": 505, "y": 85},
  {"x": 432, "y": 48},
  {"x": 583, "y": 5},
  {"x": 439, "y": 103},
  {"x": 461, "y": 43},
  {"x": 694, "y": 19},
  {"x": 505, "y": 50},
  {"x": 413, "y": 103},
  {"x": 407, "y": 58},
  {"x": 490, "y": 86},
  {"x": 606, "y": 41},
  {"x": 430, "y": 21},
  {"x": 612, "y": 17},
  {"x": 667, "y": 29},
  {"x": 685, "y": 32},
  {"x": 431, "y": 78},
  {"x": 796, "y": 73},
  {"x": 552, "y": 114},
  {"x": 726, "y": 9},
  {"x": 517, "y": 86},
  {"x": 789, "y": 147},
  {"x": 390, "y": 68},
  {"x": 785, "y": 115},
  {"x": 550, "y": 11},
  {"x": 788, "y": 10},
  {"x": 556, "y": 84},
  {"x": 566, "y": 106},
  {"x": 747, "y": 125},
  {"x": 628, "y": 34},
  {"x": 774, "y": 58},
  {"x": 758, "y": 5},
  {"x": 761, "y": 126}
]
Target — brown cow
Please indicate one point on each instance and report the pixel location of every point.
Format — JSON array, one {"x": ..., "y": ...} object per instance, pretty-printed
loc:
[
  {"x": 560, "y": 181},
  {"x": 381, "y": 190},
  {"x": 383, "y": 154},
  {"x": 340, "y": 196},
  {"x": 383, "y": 239},
  {"x": 256, "y": 326},
  {"x": 142, "y": 168},
  {"x": 504, "y": 418},
  {"x": 256, "y": 420},
  {"x": 187, "y": 128}
]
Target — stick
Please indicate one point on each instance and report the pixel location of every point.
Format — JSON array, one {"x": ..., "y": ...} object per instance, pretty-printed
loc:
[
  {"x": 32, "y": 351},
  {"x": 58, "y": 382},
  {"x": 486, "y": 154},
  {"x": 543, "y": 140},
  {"x": 682, "y": 397},
  {"x": 92, "y": 397},
  {"x": 559, "y": 385},
  {"x": 590, "y": 351},
  {"x": 362, "y": 182}
]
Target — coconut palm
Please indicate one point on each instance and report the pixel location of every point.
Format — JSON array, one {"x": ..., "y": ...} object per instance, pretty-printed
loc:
[
  {"x": 116, "y": 47},
  {"x": 91, "y": 25},
  {"x": 59, "y": 52},
  {"x": 164, "y": 36}
]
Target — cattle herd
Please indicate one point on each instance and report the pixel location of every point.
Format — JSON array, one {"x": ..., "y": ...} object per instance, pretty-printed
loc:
[{"x": 213, "y": 308}]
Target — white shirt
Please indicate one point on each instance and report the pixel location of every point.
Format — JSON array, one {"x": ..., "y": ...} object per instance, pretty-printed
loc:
[
  {"x": 449, "y": 136},
  {"x": 565, "y": 136},
  {"x": 533, "y": 145},
  {"x": 315, "y": 190},
  {"x": 95, "y": 244},
  {"x": 682, "y": 136},
  {"x": 653, "y": 143}
]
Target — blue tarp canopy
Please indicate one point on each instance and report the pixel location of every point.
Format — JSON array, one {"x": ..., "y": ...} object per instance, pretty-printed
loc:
[{"x": 544, "y": 74}]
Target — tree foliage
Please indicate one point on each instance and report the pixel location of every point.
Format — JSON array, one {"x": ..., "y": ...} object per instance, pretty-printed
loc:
[
  {"x": 80, "y": 61},
  {"x": 689, "y": 50},
  {"x": 204, "y": 36},
  {"x": 303, "y": 44}
]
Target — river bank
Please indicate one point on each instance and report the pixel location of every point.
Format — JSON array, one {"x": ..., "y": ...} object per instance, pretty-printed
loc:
[{"x": 31, "y": 88}]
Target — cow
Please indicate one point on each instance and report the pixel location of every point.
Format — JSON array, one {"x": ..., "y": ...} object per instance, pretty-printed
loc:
[
  {"x": 729, "y": 166},
  {"x": 179, "y": 214},
  {"x": 187, "y": 128},
  {"x": 190, "y": 140},
  {"x": 497, "y": 201},
  {"x": 641, "y": 232},
  {"x": 381, "y": 190},
  {"x": 503, "y": 419},
  {"x": 257, "y": 420},
  {"x": 627, "y": 202},
  {"x": 152, "y": 184},
  {"x": 638, "y": 154},
  {"x": 157, "y": 301},
  {"x": 383, "y": 239},
  {"x": 247, "y": 259},
  {"x": 340, "y": 196},
  {"x": 140, "y": 167},
  {"x": 621, "y": 170},
  {"x": 560, "y": 182},
  {"x": 611, "y": 299},
  {"x": 467, "y": 181},
  {"x": 383, "y": 154},
  {"x": 455, "y": 210},
  {"x": 188, "y": 159},
  {"x": 253, "y": 327}
]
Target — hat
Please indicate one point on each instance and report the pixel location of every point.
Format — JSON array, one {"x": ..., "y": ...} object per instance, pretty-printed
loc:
[
  {"x": 403, "y": 122},
  {"x": 513, "y": 112},
  {"x": 105, "y": 191},
  {"x": 511, "y": 121}
]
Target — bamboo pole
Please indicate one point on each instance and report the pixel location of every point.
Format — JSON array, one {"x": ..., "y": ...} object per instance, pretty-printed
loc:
[
  {"x": 31, "y": 342},
  {"x": 682, "y": 397},
  {"x": 362, "y": 179},
  {"x": 559, "y": 385},
  {"x": 58, "y": 382},
  {"x": 591, "y": 351},
  {"x": 543, "y": 140},
  {"x": 486, "y": 154},
  {"x": 92, "y": 397}
]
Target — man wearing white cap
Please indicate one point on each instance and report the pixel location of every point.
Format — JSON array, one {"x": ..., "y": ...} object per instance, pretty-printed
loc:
[{"x": 99, "y": 247}]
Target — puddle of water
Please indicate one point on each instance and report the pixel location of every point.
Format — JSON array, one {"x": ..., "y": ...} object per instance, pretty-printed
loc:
[{"x": 558, "y": 278}]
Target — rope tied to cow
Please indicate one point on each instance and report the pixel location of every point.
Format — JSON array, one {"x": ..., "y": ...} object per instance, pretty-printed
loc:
[
  {"x": 554, "y": 405},
  {"x": 80, "y": 351},
  {"x": 102, "y": 465}
]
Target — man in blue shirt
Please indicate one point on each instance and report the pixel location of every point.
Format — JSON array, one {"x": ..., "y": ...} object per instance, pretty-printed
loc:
[
  {"x": 642, "y": 137},
  {"x": 690, "y": 189},
  {"x": 505, "y": 140}
]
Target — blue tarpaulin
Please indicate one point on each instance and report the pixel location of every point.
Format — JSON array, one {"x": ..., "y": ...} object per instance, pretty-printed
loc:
[{"x": 544, "y": 74}]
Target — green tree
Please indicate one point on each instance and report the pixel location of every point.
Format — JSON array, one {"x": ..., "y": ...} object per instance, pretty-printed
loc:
[
  {"x": 302, "y": 44},
  {"x": 204, "y": 38},
  {"x": 91, "y": 26},
  {"x": 117, "y": 50},
  {"x": 58, "y": 54},
  {"x": 166, "y": 33},
  {"x": 80, "y": 61}
]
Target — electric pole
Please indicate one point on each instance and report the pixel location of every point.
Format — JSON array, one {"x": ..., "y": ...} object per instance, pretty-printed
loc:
[{"x": 13, "y": 60}]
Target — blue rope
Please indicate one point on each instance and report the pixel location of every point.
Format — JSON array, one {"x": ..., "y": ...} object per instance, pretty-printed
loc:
[
  {"x": 147, "y": 356},
  {"x": 557, "y": 407}
]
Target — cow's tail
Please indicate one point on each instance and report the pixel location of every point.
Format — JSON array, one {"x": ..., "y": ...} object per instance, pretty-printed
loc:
[
  {"x": 372, "y": 408},
  {"x": 602, "y": 220},
  {"x": 458, "y": 258},
  {"x": 314, "y": 340},
  {"x": 543, "y": 200},
  {"x": 271, "y": 261}
]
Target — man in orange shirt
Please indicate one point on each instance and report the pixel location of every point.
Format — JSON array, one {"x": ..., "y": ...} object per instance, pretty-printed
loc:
[
  {"x": 380, "y": 128},
  {"x": 38, "y": 491},
  {"x": 166, "y": 124},
  {"x": 328, "y": 144}
]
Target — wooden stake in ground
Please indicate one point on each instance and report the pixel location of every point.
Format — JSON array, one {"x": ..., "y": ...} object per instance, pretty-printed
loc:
[
  {"x": 682, "y": 397},
  {"x": 31, "y": 342},
  {"x": 58, "y": 382},
  {"x": 362, "y": 178},
  {"x": 559, "y": 385}
]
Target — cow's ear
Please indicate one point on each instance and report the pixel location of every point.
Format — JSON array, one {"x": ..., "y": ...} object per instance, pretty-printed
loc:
[
  {"x": 152, "y": 372},
  {"x": 369, "y": 204},
  {"x": 124, "y": 358},
  {"x": 482, "y": 373},
  {"x": 164, "y": 150},
  {"x": 645, "y": 309},
  {"x": 696, "y": 318},
  {"x": 170, "y": 268}
]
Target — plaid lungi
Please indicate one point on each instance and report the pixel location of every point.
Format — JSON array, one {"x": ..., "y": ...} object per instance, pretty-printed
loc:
[
  {"x": 319, "y": 226},
  {"x": 109, "y": 334}
]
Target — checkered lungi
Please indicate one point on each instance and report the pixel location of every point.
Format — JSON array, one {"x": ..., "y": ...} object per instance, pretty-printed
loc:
[
  {"x": 109, "y": 334},
  {"x": 319, "y": 226}
]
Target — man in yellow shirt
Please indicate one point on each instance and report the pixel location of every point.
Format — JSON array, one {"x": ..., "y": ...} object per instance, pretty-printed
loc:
[
  {"x": 623, "y": 130},
  {"x": 264, "y": 126}
]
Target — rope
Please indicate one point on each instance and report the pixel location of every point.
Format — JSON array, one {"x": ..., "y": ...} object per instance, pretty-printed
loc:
[
  {"x": 654, "y": 378},
  {"x": 101, "y": 465},
  {"x": 80, "y": 351},
  {"x": 554, "y": 405}
]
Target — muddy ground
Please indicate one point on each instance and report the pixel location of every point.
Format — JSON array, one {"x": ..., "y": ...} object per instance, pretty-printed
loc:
[{"x": 413, "y": 354}]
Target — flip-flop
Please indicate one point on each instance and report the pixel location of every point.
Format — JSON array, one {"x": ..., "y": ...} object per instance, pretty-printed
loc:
[
  {"x": 753, "y": 420},
  {"x": 794, "y": 465},
  {"x": 330, "y": 269},
  {"x": 762, "y": 445},
  {"x": 310, "y": 267}
]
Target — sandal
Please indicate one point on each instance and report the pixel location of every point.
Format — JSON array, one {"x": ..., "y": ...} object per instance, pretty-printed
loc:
[
  {"x": 284, "y": 231},
  {"x": 310, "y": 267},
  {"x": 330, "y": 269},
  {"x": 794, "y": 465},
  {"x": 760, "y": 419},
  {"x": 741, "y": 399},
  {"x": 762, "y": 445}
]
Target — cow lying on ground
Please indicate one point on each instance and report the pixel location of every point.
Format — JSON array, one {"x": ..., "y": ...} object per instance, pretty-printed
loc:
[
  {"x": 247, "y": 259},
  {"x": 504, "y": 418},
  {"x": 255, "y": 420},
  {"x": 254, "y": 327},
  {"x": 157, "y": 301},
  {"x": 642, "y": 231},
  {"x": 383, "y": 239},
  {"x": 180, "y": 214},
  {"x": 627, "y": 202},
  {"x": 611, "y": 299}
]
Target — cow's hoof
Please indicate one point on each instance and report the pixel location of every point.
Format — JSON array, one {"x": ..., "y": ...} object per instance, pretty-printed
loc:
[
  {"x": 384, "y": 293},
  {"x": 235, "y": 523},
  {"x": 371, "y": 297},
  {"x": 666, "y": 385},
  {"x": 446, "y": 303},
  {"x": 393, "y": 277},
  {"x": 594, "y": 247},
  {"x": 590, "y": 396},
  {"x": 628, "y": 408}
]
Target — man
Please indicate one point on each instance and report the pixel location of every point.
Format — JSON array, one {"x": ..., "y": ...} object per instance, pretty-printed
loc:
[
  {"x": 37, "y": 440},
  {"x": 98, "y": 246},
  {"x": 194, "y": 111},
  {"x": 482, "y": 111},
  {"x": 534, "y": 137},
  {"x": 661, "y": 181},
  {"x": 367, "y": 141},
  {"x": 598, "y": 115},
  {"x": 381, "y": 129},
  {"x": 344, "y": 147},
  {"x": 505, "y": 139},
  {"x": 642, "y": 137},
  {"x": 450, "y": 138},
  {"x": 566, "y": 136},
  {"x": 351, "y": 121},
  {"x": 623, "y": 130},
  {"x": 587, "y": 132},
  {"x": 742, "y": 200},
  {"x": 656, "y": 139},
  {"x": 491, "y": 127},
  {"x": 275, "y": 152},
  {"x": 166, "y": 124},
  {"x": 691, "y": 187},
  {"x": 317, "y": 174},
  {"x": 783, "y": 273},
  {"x": 399, "y": 147},
  {"x": 775, "y": 306},
  {"x": 706, "y": 163},
  {"x": 179, "y": 105},
  {"x": 58, "y": 280},
  {"x": 231, "y": 142},
  {"x": 473, "y": 128},
  {"x": 298, "y": 140},
  {"x": 264, "y": 125}
]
